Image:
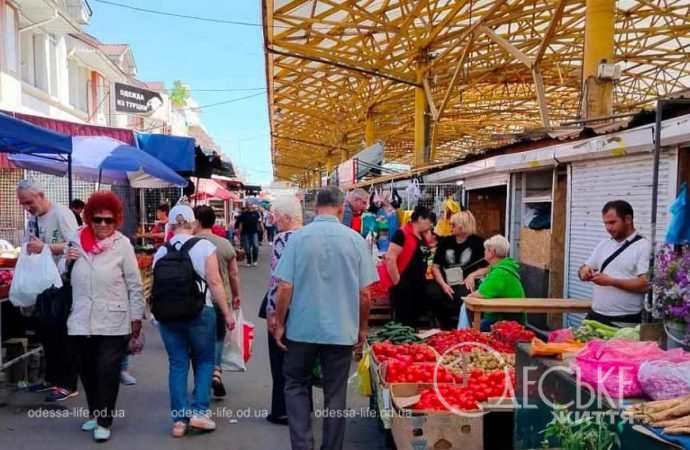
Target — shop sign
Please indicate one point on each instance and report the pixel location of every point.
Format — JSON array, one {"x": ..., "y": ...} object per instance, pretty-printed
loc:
[{"x": 134, "y": 100}]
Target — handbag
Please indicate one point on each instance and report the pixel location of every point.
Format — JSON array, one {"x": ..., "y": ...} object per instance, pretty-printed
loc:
[{"x": 54, "y": 305}]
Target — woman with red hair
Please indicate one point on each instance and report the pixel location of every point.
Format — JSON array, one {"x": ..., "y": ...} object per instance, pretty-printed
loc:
[{"x": 107, "y": 306}]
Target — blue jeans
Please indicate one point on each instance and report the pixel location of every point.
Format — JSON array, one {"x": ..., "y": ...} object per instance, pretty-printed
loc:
[
  {"x": 195, "y": 341},
  {"x": 250, "y": 244}
]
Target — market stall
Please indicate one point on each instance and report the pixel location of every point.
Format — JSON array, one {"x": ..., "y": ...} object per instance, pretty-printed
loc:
[
  {"x": 443, "y": 389},
  {"x": 477, "y": 306}
]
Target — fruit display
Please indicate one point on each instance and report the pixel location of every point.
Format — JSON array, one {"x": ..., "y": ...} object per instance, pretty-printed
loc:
[
  {"x": 5, "y": 277},
  {"x": 396, "y": 371},
  {"x": 395, "y": 333},
  {"x": 144, "y": 261},
  {"x": 480, "y": 387},
  {"x": 510, "y": 332},
  {"x": 409, "y": 353},
  {"x": 457, "y": 360}
]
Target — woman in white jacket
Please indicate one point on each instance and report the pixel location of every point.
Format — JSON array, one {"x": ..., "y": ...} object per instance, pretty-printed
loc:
[{"x": 108, "y": 306}]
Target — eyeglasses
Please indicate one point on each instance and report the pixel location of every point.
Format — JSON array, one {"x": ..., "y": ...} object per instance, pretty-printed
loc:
[{"x": 105, "y": 220}]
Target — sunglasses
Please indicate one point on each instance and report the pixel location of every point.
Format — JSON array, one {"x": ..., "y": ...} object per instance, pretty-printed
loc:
[{"x": 103, "y": 220}]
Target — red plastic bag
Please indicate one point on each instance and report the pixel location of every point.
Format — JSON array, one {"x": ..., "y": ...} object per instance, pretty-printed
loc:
[
  {"x": 613, "y": 366},
  {"x": 247, "y": 340}
]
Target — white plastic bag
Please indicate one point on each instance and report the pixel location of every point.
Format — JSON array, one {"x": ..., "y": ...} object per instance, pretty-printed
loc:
[
  {"x": 33, "y": 275},
  {"x": 463, "y": 319},
  {"x": 237, "y": 345}
]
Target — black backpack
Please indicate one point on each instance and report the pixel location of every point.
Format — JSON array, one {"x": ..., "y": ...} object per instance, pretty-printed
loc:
[{"x": 177, "y": 288}]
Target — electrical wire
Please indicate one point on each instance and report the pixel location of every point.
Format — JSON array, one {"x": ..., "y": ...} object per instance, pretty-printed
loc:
[
  {"x": 219, "y": 21},
  {"x": 226, "y": 102},
  {"x": 180, "y": 16}
]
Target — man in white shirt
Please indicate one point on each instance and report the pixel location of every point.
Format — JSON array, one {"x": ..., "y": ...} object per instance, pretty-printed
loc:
[
  {"x": 618, "y": 268},
  {"x": 54, "y": 226}
]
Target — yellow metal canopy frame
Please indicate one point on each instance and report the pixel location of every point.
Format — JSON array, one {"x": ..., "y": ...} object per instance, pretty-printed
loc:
[{"x": 438, "y": 79}]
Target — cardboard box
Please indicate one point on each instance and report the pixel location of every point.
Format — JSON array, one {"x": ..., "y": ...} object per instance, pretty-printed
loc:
[
  {"x": 535, "y": 248},
  {"x": 422, "y": 430}
]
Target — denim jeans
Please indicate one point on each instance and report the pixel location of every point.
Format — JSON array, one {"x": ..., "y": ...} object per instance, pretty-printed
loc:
[
  {"x": 195, "y": 341},
  {"x": 250, "y": 244}
]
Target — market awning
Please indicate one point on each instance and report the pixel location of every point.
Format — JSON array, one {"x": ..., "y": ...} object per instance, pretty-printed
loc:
[
  {"x": 175, "y": 151},
  {"x": 208, "y": 189},
  {"x": 20, "y": 137}
]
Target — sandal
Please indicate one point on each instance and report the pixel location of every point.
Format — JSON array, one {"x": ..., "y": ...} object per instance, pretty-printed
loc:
[
  {"x": 217, "y": 384},
  {"x": 179, "y": 429}
]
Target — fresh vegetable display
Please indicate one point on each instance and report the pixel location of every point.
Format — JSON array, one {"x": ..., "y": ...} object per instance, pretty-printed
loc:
[
  {"x": 397, "y": 371},
  {"x": 510, "y": 332},
  {"x": 672, "y": 415},
  {"x": 6, "y": 277},
  {"x": 409, "y": 353},
  {"x": 446, "y": 340},
  {"x": 591, "y": 329},
  {"x": 396, "y": 333},
  {"x": 480, "y": 387},
  {"x": 477, "y": 359}
]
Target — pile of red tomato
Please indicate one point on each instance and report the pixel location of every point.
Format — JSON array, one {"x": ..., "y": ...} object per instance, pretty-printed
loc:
[
  {"x": 510, "y": 332},
  {"x": 480, "y": 387},
  {"x": 448, "y": 339},
  {"x": 408, "y": 353},
  {"x": 397, "y": 371}
]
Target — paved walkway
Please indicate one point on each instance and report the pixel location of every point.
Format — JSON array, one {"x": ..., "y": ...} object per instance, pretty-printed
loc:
[{"x": 146, "y": 424}]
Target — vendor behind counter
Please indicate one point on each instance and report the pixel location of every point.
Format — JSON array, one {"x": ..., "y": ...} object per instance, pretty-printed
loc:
[{"x": 502, "y": 281}]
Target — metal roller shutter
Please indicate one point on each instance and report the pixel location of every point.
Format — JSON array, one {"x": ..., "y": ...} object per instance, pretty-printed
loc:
[
  {"x": 485, "y": 181},
  {"x": 595, "y": 182}
]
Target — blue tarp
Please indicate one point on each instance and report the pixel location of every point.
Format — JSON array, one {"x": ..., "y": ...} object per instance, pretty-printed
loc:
[
  {"x": 18, "y": 136},
  {"x": 175, "y": 151}
]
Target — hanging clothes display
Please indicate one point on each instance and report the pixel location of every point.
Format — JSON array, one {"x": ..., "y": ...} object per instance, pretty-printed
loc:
[{"x": 444, "y": 227}]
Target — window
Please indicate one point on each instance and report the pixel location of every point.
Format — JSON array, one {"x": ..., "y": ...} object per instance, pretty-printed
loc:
[
  {"x": 52, "y": 65},
  {"x": 10, "y": 38},
  {"x": 78, "y": 86},
  {"x": 27, "y": 58}
]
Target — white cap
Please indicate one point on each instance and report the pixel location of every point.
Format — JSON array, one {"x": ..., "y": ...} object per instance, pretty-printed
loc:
[{"x": 185, "y": 211}]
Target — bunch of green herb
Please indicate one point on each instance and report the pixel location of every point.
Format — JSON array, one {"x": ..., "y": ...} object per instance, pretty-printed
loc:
[{"x": 585, "y": 433}]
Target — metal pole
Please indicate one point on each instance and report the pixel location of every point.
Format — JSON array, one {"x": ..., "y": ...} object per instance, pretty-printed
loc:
[
  {"x": 655, "y": 200},
  {"x": 70, "y": 187}
]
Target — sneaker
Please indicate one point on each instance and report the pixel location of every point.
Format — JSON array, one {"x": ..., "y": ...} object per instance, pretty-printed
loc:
[
  {"x": 61, "y": 394},
  {"x": 179, "y": 429},
  {"x": 255, "y": 264},
  {"x": 101, "y": 434},
  {"x": 89, "y": 425},
  {"x": 218, "y": 387},
  {"x": 127, "y": 379},
  {"x": 41, "y": 387},
  {"x": 202, "y": 422}
]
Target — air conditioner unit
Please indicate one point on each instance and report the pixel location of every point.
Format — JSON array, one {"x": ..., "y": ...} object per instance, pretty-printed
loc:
[{"x": 609, "y": 71}]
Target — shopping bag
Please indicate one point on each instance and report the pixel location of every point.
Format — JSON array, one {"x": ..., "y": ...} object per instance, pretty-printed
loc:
[
  {"x": 463, "y": 319},
  {"x": 364, "y": 375},
  {"x": 33, "y": 275},
  {"x": 238, "y": 344}
]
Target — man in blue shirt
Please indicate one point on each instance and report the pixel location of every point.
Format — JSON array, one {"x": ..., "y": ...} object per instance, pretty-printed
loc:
[{"x": 325, "y": 272}]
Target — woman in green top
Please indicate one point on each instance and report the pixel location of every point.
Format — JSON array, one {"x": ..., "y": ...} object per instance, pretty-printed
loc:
[{"x": 502, "y": 281}]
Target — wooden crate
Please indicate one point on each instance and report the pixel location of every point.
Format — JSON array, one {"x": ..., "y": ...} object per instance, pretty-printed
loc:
[{"x": 380, "y": 314}]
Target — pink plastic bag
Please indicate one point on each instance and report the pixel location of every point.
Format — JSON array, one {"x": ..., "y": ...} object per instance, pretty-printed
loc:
[
  {"x": 663, "y": 380},
  {"x": 562, "y": 335},
  {"x": 613, "y": 366}
]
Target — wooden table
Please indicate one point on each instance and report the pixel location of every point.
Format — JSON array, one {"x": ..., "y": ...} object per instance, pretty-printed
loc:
[{"x": 523, "y": 305}]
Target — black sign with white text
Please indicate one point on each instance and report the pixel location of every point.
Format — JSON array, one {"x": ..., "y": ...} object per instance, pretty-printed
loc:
[{"x": 134, "y": 100}]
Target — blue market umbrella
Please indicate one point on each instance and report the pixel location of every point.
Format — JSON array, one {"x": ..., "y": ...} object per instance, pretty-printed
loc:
[{"x": 107, "y": 160}]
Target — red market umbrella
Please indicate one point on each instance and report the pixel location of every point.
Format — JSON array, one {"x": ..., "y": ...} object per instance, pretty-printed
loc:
[{"x": 209, "y": 189}]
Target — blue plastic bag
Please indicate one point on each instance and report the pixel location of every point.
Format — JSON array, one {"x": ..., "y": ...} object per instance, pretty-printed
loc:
[{"x": 679, "y": 228}]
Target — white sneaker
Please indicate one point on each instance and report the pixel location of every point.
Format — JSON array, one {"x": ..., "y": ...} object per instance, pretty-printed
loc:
[
  {"x": 202, "y": 422},
  {"x": 255, "y": 264},
  {"x": 127, "y": 379}
]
